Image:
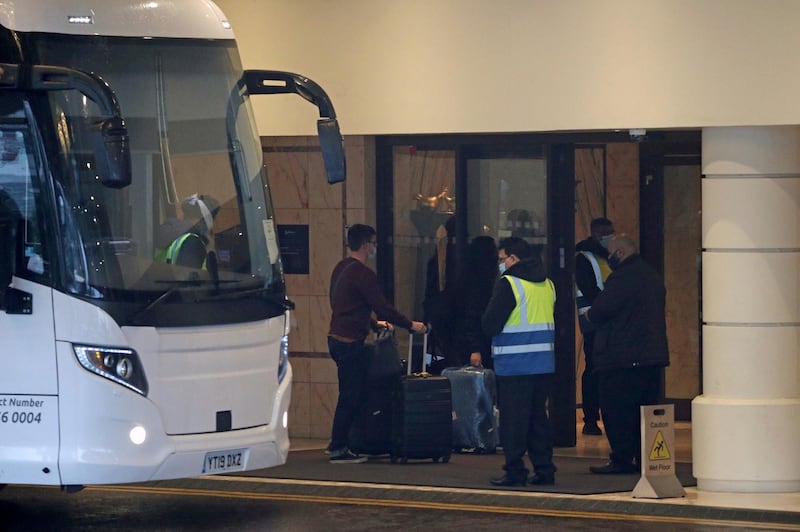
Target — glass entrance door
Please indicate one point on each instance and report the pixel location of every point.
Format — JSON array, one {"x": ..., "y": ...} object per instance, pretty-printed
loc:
[
  {"x": 528, "y": 192},
  {"x": 508, "y": 197}
]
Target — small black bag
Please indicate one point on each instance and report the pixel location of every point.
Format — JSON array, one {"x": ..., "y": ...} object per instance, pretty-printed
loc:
[{"x": 385, "y": 360}]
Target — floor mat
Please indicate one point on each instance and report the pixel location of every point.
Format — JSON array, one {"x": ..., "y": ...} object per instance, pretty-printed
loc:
[{"x": 462, "y": 471}]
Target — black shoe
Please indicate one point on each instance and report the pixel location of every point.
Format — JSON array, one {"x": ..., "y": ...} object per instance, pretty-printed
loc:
[
  {"x": 614, "y": 468},
  {"x": 592, "y": 429},
  {"x": 346, "y": 456},
  {"x": 506, "y": 480},
  {"x": 542, "y": 479}
]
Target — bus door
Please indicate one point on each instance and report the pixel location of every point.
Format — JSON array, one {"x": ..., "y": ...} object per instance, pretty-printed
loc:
[{"x": 28, "y": 384}]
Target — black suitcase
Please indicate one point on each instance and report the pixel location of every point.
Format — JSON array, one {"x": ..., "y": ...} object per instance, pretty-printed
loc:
[
  {"x": 422, "y": 420},
  {"x": 371, "y": 432}
]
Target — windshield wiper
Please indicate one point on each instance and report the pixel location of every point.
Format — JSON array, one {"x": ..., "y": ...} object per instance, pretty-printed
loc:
[
  {"x": 177, "y": 284},
  {"x": 277, "y": 299}
]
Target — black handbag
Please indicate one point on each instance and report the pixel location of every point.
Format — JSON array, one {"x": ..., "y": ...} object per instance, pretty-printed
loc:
[{"x": 384, "y": 363}]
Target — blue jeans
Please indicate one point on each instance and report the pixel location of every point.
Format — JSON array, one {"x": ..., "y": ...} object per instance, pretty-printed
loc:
[{"x": 351, "y": 362}]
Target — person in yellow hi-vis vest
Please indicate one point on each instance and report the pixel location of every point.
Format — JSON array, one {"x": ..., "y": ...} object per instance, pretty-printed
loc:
[
  {"x": 591, "y": 271},
  {"x": 186, "y": 241},
  {"x": 520, "y": 320}
]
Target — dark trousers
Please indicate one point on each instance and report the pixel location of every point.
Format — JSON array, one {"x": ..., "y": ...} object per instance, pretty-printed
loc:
[
  {"x": 589, "y": 393},
  {"x": 351, "y": 362},
  {"x": 524, "y": 425},
  {"x": 622, "y": 392}
]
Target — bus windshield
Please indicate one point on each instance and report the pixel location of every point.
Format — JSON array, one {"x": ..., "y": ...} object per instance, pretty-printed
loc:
[{"x": 197, "y": 216}]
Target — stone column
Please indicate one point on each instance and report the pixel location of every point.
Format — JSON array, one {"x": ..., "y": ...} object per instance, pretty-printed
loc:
[{"x": 746, "y": 424}]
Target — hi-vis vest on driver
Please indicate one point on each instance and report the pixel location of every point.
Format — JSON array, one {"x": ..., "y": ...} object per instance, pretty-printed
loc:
[
  {"x": 525, "y": 346},
  {"x": 601, "y": 272},
  {"x": 171, "y": 253}
]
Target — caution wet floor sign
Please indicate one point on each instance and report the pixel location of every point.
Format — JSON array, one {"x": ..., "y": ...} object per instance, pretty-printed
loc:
[{"x": 658, "y": 463}]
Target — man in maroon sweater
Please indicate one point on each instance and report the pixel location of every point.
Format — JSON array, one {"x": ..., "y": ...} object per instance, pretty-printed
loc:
[{"x": 355, "y": 294}]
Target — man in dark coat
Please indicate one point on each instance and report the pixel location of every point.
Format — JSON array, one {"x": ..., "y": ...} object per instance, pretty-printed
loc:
[{"x": 630, "y": 350}]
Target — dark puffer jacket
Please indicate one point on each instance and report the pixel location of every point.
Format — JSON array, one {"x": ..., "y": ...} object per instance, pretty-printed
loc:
[{"x": 629, "y": 313}]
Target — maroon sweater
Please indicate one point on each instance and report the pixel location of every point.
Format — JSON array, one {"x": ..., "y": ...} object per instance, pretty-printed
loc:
[{"x": 355, "y": 294}]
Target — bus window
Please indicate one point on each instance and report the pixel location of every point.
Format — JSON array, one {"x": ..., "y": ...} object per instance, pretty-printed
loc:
[{"x": 20, "y": 194}]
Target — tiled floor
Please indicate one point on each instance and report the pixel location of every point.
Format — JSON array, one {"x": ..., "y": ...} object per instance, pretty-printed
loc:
[{"x": 597, "y": 446}]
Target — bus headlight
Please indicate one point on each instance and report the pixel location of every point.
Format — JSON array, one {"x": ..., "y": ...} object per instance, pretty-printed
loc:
[
  {"x": 283, "y": 359},
  {"x": 119, "y": 365}
]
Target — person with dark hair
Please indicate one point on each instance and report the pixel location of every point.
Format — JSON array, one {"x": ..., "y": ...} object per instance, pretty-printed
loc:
[
  {"x": 591, "y": 271},
  {"x": 630, "y": 350},
  {"x": 354, "y": 295},
  {"x": 473, "y": 289},
  {"x": 520, "y": 320},
  {"x": 185, "y": 241}
]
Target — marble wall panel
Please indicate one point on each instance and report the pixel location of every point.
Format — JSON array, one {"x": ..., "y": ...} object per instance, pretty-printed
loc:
[
  {"x": 622, "y": 187},
  {"x": 300, "y": 335},
  {"x": 318, "y": 323},
  {"x": 326, "y": 241},
  {"x": 323, "y": 370},
  {"x": 300, "y": 410},
  {"x": 359, "y": 216},
  {"x": 323, "y": 397},
  {"x": 287, "y": 171},
  {"x": 301, "y": 368},
  {"x": 322, "y": 195}
]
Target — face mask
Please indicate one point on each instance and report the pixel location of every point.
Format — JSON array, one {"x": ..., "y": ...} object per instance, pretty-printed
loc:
[
  {"x": 613, "y": 261},
  {"x": 502, "y": 267},
  {"x": 606, "y": 240},
  {"x": 371, "y": 254}
]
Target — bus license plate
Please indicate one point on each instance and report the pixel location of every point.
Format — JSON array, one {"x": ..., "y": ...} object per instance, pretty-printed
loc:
[{"x": 223, "y": 461}]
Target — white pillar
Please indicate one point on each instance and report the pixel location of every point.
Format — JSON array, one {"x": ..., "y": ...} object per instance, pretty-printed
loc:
[{"x": 746, "y": 424}]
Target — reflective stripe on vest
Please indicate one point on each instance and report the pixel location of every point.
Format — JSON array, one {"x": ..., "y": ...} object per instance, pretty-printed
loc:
[
  {"x": 601, "y": 272},
  {"x": 174, "y": 249},
  {"x": 525, "y": 346}
]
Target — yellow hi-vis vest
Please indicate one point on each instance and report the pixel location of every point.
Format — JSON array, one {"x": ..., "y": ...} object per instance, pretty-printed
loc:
[
  {"x": 525, "y": 346},
  {"x": 171, "y": 253},
  {"x": 601, "y": 272}
]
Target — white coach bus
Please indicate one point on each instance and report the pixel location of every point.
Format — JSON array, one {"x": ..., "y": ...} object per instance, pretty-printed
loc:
[{"x": 117, "y": 365}]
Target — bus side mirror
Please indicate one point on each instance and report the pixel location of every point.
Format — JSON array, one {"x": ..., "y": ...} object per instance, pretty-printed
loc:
[
  {"x": 332, "y": 146},
  {"x": 112, "y": 152},
  {"x": 330, "y": 138}
]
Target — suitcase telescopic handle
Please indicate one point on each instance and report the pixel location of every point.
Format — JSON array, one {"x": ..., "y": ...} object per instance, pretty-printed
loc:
[{"x": 411, "y": 349}]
